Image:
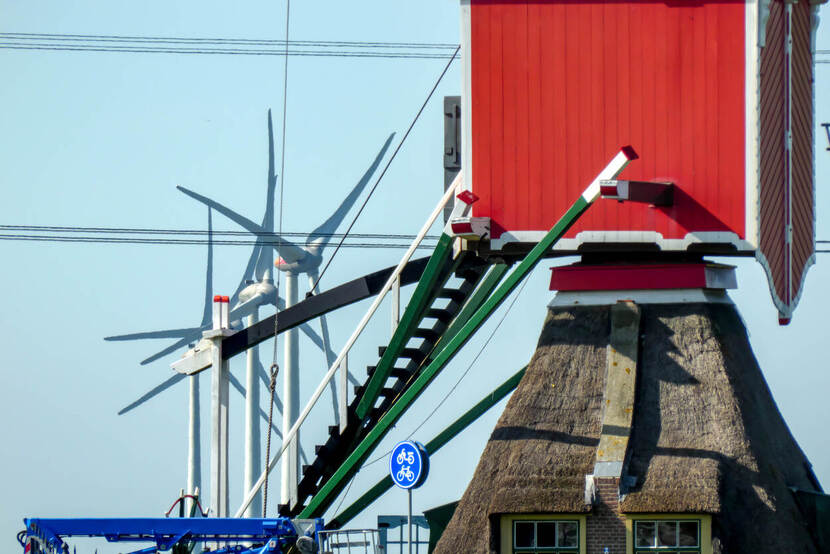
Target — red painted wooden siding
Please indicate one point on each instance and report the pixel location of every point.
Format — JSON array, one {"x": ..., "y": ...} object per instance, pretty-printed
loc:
[
  {"x": 782, "y": 204},
  {"x": 558, "y": 86}
]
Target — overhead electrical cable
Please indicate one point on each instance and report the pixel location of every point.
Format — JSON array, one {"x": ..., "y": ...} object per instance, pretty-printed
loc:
[
  {"x": 182, "y": 242},
  {"x": 127, "y": 38},
  {"x": 224, "y": 46},
  {"x": 196, "y": 232},
  {"x": 228, "y": 51},
  {"x": 385, "y": 168}
]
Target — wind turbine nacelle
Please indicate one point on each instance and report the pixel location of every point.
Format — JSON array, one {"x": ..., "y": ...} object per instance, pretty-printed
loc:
[
  {"x": 307, "y": 264},
  {"x": 264, "y": 289}
]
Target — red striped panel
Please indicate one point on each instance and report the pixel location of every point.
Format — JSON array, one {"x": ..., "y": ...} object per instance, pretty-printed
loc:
[
  {"x": 773, "y": 179},
  {"x": 803, "y": 197},
  {"x": 558, "y": 86},
  {"x": 787, "y": 262}
]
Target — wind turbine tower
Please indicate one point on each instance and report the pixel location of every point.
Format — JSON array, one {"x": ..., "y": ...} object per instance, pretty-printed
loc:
[{"x": 294, "y": 260}]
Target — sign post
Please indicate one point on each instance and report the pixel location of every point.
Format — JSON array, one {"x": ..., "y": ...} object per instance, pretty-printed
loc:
[{"x": 409, "y": 467}]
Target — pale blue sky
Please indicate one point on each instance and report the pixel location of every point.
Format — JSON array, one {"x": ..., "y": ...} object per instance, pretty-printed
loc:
[{"x": 101, "y": 139}]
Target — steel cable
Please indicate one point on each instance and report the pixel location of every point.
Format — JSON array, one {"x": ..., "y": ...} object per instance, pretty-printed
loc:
[{"x": 385, "y": 169}]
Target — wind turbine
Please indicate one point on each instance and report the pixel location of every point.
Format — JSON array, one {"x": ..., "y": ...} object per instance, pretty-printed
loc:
[
  {"x": 295, "y": 260},
  {"x": 184, "y": 334},
  {"x": 255, "y": 289}
]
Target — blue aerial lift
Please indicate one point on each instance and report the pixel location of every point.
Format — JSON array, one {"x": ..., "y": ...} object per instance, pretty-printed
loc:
[{"x": 179, "y": 535}]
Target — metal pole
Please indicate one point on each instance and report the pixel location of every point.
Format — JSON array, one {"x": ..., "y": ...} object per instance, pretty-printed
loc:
[
  {"x": 344, "y": 392},
  {"x": 252, "y": 425},
  {"x": 409, "y": 520},
  {"x": 219, "y": 433},
  {"x": 194, "y": 447},
  {"x": 396, "y": 304},
  {"x": 291, "y": 399}
]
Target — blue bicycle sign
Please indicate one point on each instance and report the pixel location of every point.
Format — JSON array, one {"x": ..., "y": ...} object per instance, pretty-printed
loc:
[{"x": 409, "y": 464}]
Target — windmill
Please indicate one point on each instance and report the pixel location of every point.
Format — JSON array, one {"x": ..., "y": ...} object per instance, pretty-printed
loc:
[{"x": 294, "y": 260}]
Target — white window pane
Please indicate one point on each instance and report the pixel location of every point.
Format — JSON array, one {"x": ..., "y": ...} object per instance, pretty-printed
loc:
[
  {"x": 667, "y": 533},
  {"x": 646, "y": 531}
]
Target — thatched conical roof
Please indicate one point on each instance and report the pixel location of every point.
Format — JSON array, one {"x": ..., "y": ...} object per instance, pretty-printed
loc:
[{"x": 707, "y": 435}]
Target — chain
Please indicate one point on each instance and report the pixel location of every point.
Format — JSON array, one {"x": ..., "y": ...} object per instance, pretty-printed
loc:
[{"x": 275, "y": 369}]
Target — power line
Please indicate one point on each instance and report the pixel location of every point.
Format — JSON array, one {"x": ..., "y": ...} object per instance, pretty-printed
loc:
[
  {"x": 386, "y": 167},
  {"x": 126, "y": 38},
  {"x": 224, "y": 46},
  {"x": 237, "y": 52},
  {"x": 183, "y": 242},
  {"x": 194, "y": 232}
]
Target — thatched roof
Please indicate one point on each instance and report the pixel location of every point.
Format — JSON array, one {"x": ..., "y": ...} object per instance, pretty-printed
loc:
[{"x": 707, "y": 436}]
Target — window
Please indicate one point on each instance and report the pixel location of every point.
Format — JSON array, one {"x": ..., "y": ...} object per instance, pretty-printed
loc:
[
  {"x": 542, "y": 535},
  {"x": 667, "y": 535}
]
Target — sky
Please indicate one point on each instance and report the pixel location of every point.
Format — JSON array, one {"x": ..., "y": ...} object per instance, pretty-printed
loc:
[{"x": 101, "y": 140}]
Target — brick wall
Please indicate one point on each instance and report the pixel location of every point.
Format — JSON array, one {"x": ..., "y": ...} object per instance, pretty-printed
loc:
[{"x": 605, "y": 526}]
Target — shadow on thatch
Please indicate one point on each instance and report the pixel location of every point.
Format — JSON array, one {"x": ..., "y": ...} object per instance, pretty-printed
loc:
[
  {"x": 720, "y": 445},
  {"x": 707, "y": 436},
  {"x": 523, "y": 433}
]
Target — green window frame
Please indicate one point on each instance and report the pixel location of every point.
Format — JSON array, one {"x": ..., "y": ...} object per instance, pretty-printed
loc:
[
  {"x": 681, "y": 536},
  {"x": 545, "y": 536}
]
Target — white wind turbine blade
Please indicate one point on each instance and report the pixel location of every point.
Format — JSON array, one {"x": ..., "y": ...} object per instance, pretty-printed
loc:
[
  {"x": 289, "y": 251},
  {"x": 158, "y": 389},
  {"x": 184, "y": 341},
  {"x": 207, "y": 309},
  {"x": 265, "y": 264},
  {"x": 326, "y": 344},
  {"x": 163, "y": 334},
  {"x": 320, "y": 237},
  {"x": 324, "y": 330},
  {"x": 248, "y": 307},
  {"x": 317, "y": 340},
  {"x": 185, "y": 335},
  {"x": 167, "y": 383},
  {"x": 248, "y": 274}
]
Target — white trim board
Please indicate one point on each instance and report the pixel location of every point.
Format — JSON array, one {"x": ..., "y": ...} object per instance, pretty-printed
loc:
[
  {"x": 607, "y": 298},
  {"x": 627, "y": 237}
]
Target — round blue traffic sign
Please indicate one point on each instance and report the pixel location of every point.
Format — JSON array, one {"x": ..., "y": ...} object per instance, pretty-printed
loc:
[{"x": 409, "y": 464}]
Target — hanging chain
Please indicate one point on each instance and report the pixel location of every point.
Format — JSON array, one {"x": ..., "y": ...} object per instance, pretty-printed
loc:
[{"x": 275, "y": 369}]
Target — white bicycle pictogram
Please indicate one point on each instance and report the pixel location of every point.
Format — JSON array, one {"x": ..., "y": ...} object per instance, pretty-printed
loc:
[
  {"x": 407, "y": 456},
  {"x": 405, "y": 474}
]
